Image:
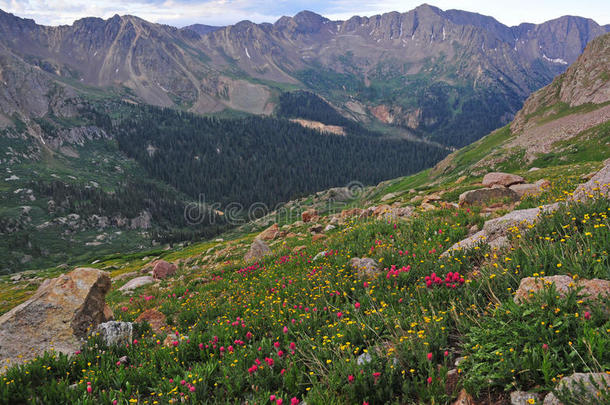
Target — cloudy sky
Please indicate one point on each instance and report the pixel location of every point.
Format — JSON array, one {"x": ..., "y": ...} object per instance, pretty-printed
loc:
[{"x": 223, "y": 12}]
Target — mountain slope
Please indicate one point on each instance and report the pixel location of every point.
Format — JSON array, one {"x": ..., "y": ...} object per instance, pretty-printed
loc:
[{"x": 431, "y": 71}]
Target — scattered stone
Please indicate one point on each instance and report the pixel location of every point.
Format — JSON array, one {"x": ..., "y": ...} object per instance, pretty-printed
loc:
[
  {"x": 523, "y": 398},
  {"x": 270, "y": 233},
  {"x": 115, "y": 333},
  {"x": 57, "y": 316},
  {"x": 163, "y": 269},
  {"x": 460, "y": 179},
  {"x": 572, "y": 384},
  {"x": 298, "y": 249},
  {"x": 451, "y": 381},
  {"x": 124, "y": 360},
  {"x": 563, "y": 284},
  {"x": 17, "y": 277},
  {"x": 487, "y": 195},
  {"x": 543, "y": 183},
  {"x": 136, "y": 283},
  {"x": 427, "y": 207},
  {"x": 108, "y": 315},
  {"x": 154, "y": 318},
  {"x": 534, "y": 169},
  {"x": 291, "y": 235},
  {"x": 366, "y": 267},
  {"x": 501, "y": 179},
  {"x": 431, "y": 198},
  {"x": 258, "y": 250},
  {"x": 329, "y": 228},
  {"x": 308, "y": 215}
]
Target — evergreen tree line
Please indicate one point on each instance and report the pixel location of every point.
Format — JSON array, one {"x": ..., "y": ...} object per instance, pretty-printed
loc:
[{"x": 259, "y": 159}]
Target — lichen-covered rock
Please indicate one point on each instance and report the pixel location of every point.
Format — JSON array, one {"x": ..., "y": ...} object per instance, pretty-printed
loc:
[
  {"x": 58, "y": 316},
  {"x": 115, "y": 333},
  {"x": 563, "y": 284},
  {"x": 523, "y": 397},
  {"x": 572, "y": 383},
  {"x": 366, "y": 267},
  {"x": 523, "y": 190},
  {"x": 598, "y": 185}
]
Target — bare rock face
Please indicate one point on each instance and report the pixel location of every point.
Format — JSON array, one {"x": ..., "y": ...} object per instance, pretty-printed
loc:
[
  {"x": 57, "y": 317},
  {"x": 258, "y": 250},
  {"x": 563, "y": 284},
  {"x": 366, "y": 267},
  {"x": 155, "y": 319},
  {"x": 270, "y": 233},
  {"x": 487, "y": 195},
  {"x": 163, "y": 269},
  {"x": 501, "y": 179},
  {"x": 598, "y": 185},
  {"x": 571, "y": 384}
]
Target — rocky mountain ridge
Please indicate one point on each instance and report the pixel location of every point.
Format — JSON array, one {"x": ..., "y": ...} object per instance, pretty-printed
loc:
[{"x": 446, "y": 61}]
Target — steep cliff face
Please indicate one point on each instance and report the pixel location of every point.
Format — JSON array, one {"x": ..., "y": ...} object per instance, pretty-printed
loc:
[{"x": 587, "y": 81}]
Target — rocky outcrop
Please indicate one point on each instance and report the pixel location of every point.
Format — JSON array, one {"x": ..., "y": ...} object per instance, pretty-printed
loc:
[
  {"x": 592, "y": 384},
  {"x": 58, "y": 316},
  {"x": 501, "y": 179},
  {"x": 258, "y": 250},
  {"x": 592, "y": 289},
  {"x": 163, "y": 269}
]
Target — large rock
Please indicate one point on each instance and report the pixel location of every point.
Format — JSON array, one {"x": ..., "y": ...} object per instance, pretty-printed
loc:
[
  {"x": 599, "y": 184},
  {"x": 163, "y": 269},
  {"x": 258, "y": 250},
  {"x": 308, "y": 215},
  {"x": 58, "y": 316},
  {"x": 495, "y": 231},
  {"x": 523, "y": 190},
  {"x": 572, "y": 384},
  {"x": 137, "y": 283},
  {"x": 501, "y": 179},
  {"x": 563, "y": 284},
  {"x": 155, "y": 319},
  {"x": 115, "y": 333},
  {"x": 270, "y": 233},
  {"x": 366, "y": 267},
  {"x": 487, "y": 195}
]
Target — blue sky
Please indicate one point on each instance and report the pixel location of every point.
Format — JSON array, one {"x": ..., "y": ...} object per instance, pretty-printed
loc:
[{"x": 223, "y": 12}]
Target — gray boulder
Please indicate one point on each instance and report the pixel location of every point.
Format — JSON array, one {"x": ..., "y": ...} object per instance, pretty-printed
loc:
[
  {"x": 115, "y": 333},
  {"x": 486, "y": 195}
]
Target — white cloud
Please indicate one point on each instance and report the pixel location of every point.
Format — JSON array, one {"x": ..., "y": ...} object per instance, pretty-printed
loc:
[{"x": 222, "y": 12}]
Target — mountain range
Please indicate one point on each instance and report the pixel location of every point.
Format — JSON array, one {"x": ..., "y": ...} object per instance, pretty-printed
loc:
[{"x": 434, "y": 73}]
